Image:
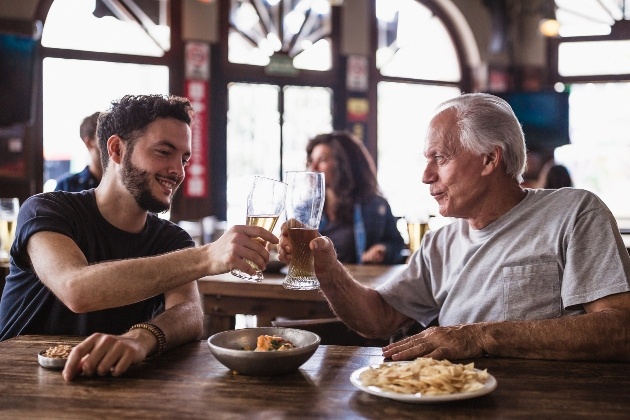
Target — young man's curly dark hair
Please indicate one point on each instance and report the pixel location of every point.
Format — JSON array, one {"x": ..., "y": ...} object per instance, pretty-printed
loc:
[{"x": 129, "y": 116}]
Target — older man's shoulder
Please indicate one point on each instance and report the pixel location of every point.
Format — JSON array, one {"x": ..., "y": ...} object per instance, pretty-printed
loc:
[{"x": 568, "y": 196}]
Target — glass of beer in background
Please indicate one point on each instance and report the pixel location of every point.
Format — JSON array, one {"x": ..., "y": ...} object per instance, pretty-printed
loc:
[
  {"x": 417, "y": 226},
  {"x": 416, "y": 230},
  {"x": 9, "y": 208},
  {"x": 265, "y": 203},
  {"x": 305, "y": 201}
]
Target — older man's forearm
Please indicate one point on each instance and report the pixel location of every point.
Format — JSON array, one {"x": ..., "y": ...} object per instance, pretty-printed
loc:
[
  {"x": 361, "y": 308},
  {"x": 599, "y": 336}
]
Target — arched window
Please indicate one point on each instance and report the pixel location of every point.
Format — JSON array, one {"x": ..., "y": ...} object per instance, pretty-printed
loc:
[
  {"x": 298, "y": 31},
  {"x": 129, "y": 27},
  {"x": 420, "y": 64},
  {"x": 114, "y": 48}
]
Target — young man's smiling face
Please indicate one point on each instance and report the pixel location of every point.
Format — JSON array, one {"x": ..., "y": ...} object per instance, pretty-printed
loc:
[{"x": 154, "y": 168}]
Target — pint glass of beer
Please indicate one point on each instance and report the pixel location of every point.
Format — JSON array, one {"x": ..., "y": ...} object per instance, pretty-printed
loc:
[
  {"x": 304, "y": 205},
  {"x": 416, "y": 230},
  {"x": 265, "y": 203}
]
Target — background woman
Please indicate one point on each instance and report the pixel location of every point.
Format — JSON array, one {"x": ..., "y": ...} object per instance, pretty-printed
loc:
[{"x": 357, "y": 219}]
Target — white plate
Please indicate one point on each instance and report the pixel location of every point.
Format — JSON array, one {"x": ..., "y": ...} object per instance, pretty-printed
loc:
[{"x": 489, "y": 386}]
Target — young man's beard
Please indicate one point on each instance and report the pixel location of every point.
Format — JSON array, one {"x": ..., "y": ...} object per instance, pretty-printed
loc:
[{"x": 138, "y": 183}]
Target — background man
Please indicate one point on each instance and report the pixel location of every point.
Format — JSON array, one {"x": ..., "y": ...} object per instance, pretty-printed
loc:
[{"x": 91, "y": 175}]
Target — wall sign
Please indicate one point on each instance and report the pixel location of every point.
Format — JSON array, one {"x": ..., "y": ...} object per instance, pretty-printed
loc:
[
  {"x": 196, "y": 90},
  {"x": 357, "y": 73}
]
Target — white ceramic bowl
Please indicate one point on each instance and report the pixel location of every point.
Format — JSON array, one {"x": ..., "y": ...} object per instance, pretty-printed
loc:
[{"x": 228, "y": 347}]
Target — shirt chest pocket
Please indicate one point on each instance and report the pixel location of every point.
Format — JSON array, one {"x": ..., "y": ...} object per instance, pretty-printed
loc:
[{"x": 531, "y": 292}]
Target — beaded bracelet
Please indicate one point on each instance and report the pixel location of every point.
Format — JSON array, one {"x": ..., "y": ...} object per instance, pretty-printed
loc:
[{"x": 156, "y": 331}]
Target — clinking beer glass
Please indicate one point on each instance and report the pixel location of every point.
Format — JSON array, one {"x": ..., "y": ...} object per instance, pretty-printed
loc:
[
  {"x": 265, "y": 203},
  {"x": 304, "y": 205}
]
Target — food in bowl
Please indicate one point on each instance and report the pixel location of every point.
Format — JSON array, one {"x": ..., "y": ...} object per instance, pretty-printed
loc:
[
  {"x": 54, "y": 357},
  {"x": 273, "y": 343},
  {"x": 60, "y": 351},
  {"x": 228, "y": 347}
]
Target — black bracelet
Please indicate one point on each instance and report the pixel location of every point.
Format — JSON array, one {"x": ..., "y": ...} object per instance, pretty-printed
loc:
[{"x": 156, "y": 331}]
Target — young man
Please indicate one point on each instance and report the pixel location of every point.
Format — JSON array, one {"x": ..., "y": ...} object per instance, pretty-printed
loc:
[
  {"x": 521, "y": 273},
  {"x": 91, "y": 175},
  {"x": 101, "y": 262}
]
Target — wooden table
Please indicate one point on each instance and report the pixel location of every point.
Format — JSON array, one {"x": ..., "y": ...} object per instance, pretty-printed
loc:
[
  {"x": 225, "y": 296},
  {"x": 188, "y": 382}
]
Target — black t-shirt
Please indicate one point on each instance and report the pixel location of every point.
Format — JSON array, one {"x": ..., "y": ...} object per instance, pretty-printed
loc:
[{"x": 29, "y": 307}]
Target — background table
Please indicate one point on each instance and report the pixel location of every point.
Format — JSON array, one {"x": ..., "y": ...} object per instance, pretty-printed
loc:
[
  {"x": 225, "y": 296},
  {"x": 188, "y": 382}
]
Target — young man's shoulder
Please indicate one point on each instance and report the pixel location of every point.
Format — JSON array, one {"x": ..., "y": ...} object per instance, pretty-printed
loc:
[{"x": 60, "y": 197}]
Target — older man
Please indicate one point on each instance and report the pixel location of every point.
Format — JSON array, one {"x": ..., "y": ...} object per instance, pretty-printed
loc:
[
  {"x": 520, "y": 273},
  {"x": 101, "y": 262}
]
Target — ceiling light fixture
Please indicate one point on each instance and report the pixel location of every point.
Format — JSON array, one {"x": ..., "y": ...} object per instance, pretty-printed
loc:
[{"x": 549, "y": 27}]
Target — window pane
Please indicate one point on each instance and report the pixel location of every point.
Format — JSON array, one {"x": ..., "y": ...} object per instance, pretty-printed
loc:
[
  {"x": 307, "y": 113},
  {"x": 71, "y": 24},
  {"x": 413, "y": 43},
  {"x": 316, "y": 57},
  {"x": 242, "y": 51},
  {"x": 253, "y": 137},
  {"x": 74, "y": 89},
  {"x": 401, "y": 134},
  {"x": 587, "y": 17},
  {"x": 253, "y": 142},
  {"x": 295, "y": 29},
  {"x": 599, "y": 154},
  {"x": 594, "y": 58}
]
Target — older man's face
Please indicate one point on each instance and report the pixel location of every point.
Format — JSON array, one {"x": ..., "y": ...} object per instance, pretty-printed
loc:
[{"x": 454, "y": 175}]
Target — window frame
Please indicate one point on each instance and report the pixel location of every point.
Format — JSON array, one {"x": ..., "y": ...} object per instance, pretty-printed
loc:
[{"x": 620, "y": 31}]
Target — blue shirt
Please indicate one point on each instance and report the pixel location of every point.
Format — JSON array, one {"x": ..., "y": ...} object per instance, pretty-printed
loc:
[
  {"x": 78, "y": 182},
  {"x": 373, "y": 223}
]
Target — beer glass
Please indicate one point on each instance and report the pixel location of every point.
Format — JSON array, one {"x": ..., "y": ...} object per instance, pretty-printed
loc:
[
  {"x": 416, "y": 230},
  {"x": 9, "y": 208},
  {"x": 265, "y": 203},
  {"x": 417, "y": 226},
  {"x": 304, "y": 205}
]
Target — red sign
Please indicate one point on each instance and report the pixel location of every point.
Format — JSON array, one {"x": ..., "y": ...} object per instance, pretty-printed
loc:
[{"x": 197, "y": 172}]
